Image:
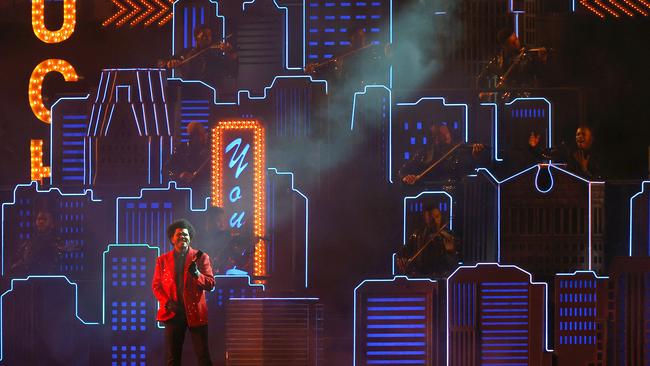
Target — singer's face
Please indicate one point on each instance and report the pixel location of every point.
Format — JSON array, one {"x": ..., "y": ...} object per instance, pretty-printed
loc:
[
  {"x": 513, "y": 41},
  {"x": 181, "y": 239},
  {"x": 584, "y": 138}
]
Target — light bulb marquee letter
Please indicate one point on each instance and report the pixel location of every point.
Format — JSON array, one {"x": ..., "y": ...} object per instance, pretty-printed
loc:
[
  {"x": 238, "y": 180},
  {"x": 63, "y": 33},
  {"x": 36, "y": 83}
]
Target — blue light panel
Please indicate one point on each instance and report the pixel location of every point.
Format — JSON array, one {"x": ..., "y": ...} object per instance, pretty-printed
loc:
[
  {"x": 328, "y": 23},
  {"x": 504, "y": 310}
]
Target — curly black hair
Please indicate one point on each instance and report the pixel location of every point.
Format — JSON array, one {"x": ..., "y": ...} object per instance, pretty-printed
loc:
[{"x": 180, "y": 224}]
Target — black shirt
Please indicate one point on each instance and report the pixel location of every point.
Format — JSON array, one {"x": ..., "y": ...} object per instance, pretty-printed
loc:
[{"x": 179, "y": 267}]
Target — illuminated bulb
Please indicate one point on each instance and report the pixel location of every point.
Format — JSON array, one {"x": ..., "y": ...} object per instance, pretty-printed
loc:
[
  {"x": 60, "y": 35},
  {"x": 36, "y": 81}
]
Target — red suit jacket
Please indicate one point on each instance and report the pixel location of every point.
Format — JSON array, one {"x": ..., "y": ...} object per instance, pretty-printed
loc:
[{"x": 164, "y": 287}]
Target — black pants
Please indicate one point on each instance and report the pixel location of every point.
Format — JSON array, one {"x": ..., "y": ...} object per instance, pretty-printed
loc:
[{"x": 175, "y": 335}]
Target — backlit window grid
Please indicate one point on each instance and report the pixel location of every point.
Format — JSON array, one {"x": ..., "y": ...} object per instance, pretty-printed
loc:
[
  {"x": 128, "y": 316},
  {"x": 224, "y": 294},
  {"x": 24, "y": 218},
  {"x": 504, "y": 312},
  {"x": 415, "y": 133},
  {"x": 329, "y": 23},
  {"x": 194, "y": 110},
  {"x": 528, "y": 113},
  {"x": 292, "y": 112},
  {"x": 396, "y": 329},
  {"x": 418, "y": 206},
  {"x": 128, "y": 355},
  {"x": 129, "y": 272},
  {"x": 577, "y": 311},
  {"x": 146, "y": 222},
  {"x": 73, "y": 134},
  {"x": 464, "y": 305}
]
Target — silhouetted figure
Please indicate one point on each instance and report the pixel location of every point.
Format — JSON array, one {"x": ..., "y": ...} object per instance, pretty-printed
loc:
[
  {"x": 430, "y": 250},
  {"x": 39, "y": 254}
]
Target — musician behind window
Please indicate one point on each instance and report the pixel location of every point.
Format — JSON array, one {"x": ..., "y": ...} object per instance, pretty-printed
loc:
[
  {"x": 189, "y": 164},
  {"x": 514, "y": 65},
  {"x": 452, "y": 167},
  {"x": 440, "y": 254},
  {"x": 208, "y": 61}
]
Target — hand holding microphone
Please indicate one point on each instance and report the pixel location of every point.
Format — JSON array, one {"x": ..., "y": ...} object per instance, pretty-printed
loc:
[{"x": 194, "y": 268}]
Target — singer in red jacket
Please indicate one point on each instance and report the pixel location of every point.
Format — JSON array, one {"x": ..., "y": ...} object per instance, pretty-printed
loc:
[{"x": 180, "y": 280}]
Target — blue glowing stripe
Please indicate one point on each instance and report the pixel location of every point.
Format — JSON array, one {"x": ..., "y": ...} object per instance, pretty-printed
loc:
[
  {"x": 395, "y": 299},
  {"x": 505, "y": 310},
  {"x": 505, "y": 331},
  {"x": 505, "y": 358},
  {"x": 395, "y": 308},
  {"x": 505, "y": 338},
  {"x": 395, "y": 353},
  {"x": 195, "y": 101},
  {"x": 185, "y": 32},
  {"x": 504, "y": 303},
  {"x": 72, "y": 169},
  {"x": 73, "y": 178},
  {"x": 395, "y": 326},
  {"x": 504, "y": 351},
  {"x": 505, "y": 284},
  {"x": 395, "y": 317},
  {"x": 504, "y": 323},
  {"x": 75, "y": 117},
  {"x": 396, "y": 335},
  {"x": 484, "y": 345},
  {"x": 504, "y": 317},
  {"x": 73, "y": 160},
  {"x": 195, "y": 108},
  {"x": 505, "y": 297},
  {"x": 73, "y": 125},
  {"x": 194, "y": 120},
  {"x": 346, "y": 17},
  {"x": 506, "y": 290},
  {"x": 74, "y": 134},
  {"x": 346, "y": 4},
  {"x": 395, "y": 344},
  {"x": 398, "y": 362},
  {"x": 73, "y": 143},
  {"x": 72, "y": 152},
  {"x": 195, "y": 114}
]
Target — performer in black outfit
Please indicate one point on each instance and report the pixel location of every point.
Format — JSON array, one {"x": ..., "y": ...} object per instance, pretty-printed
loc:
[
  {"x": 39, "y": 254},
  {"x": 457, "y": 164},
  {"x": 190, "y": 162},
  {"x": 436, "y": 245},
  {"x": 209, "y": 62},
  {"x": 580, "y": 158},
  {"x": 514, "y": 65}
]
